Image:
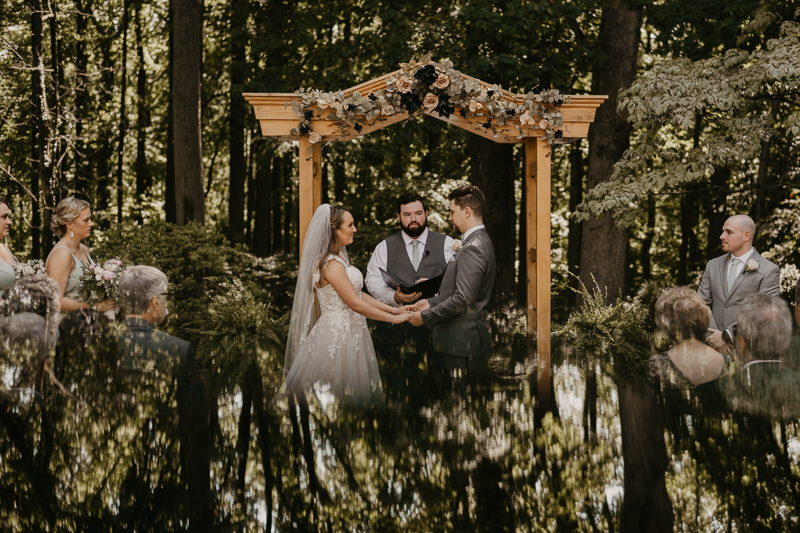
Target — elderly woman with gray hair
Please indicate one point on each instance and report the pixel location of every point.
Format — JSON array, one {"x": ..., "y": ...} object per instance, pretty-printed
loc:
[
  {"x": 143, "y": 299},
  {"x": 682, "y": 317}
]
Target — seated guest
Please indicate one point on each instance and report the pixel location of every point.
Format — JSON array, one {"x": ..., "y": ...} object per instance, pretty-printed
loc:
[
  {"x": 72, "y": 221},
  {"x": 682, "y": 316},
  {"x": 35, "y": 294},
  {"x": 143, "y": 299},
  {"x": 7, "y": 260},
  {"x": 763, "y": 334}
]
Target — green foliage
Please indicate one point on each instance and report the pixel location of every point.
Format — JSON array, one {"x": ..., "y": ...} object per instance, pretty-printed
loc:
[
  {"x": 239, "y": 331},
  {"x": 616, "y": 333},
  {"x": 191, "y": 256}
]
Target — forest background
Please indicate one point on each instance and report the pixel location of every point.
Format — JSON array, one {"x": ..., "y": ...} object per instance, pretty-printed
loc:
[{"x": 137, "y": 107}]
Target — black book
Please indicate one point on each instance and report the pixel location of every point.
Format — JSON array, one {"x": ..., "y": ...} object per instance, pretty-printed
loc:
[{"x": 428, "y": 288}]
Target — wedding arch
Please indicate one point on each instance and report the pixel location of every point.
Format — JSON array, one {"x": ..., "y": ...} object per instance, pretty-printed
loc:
[{"x": 537, "y": 121}]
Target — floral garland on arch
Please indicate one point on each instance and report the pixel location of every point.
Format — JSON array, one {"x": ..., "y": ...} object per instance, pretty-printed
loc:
[{"x": 428, "y": 87}]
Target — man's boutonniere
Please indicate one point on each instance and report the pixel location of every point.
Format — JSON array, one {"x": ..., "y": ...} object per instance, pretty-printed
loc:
[
  {"x": 457, "y": 244},
  {"x": 751, "y": 266}
]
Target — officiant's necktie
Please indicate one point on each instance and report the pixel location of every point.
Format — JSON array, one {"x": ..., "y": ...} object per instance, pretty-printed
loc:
[
  {"x": 415, "y": 254},
  {"x": 732, "y": 273}
]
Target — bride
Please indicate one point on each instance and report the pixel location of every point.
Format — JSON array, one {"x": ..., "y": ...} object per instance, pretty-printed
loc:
[{"x": 334, "y": 351}]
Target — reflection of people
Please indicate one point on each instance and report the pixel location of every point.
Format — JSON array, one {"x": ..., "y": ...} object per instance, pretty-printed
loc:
[
  {"x": 72, "y": 221},
  {"x": 37, "y": 294},
  {"x": 336, "y": 350},
  {"x": 457, "y": 313},
  {"x": 7, "y": 260},
  {"x": 763, "y": 335},
  {"x": 728, "y": 279},
  {"x": 682, "y": 316},
  {"x": 414, "y": 253},
  {"x": 143, "y": 299}
]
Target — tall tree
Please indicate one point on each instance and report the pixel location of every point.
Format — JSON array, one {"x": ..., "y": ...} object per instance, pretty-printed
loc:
[
  {"x": 264, "y": 188},
  {"x": 123, "y": 121},
  {"x": 143, "y": 176},
  {"x": 236, "y": 119},
  {"x": 604, "y": 246},
  {"x": 40, "y": 180},
  {"x": 187, "y": 25}
]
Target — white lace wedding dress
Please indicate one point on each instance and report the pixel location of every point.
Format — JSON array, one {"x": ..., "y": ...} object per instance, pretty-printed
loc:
[{"x": 337, "y": 355}]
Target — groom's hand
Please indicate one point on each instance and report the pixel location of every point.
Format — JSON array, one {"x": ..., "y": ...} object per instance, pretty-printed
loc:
[
  {"x": 402, "y": 298},
  {"x": 416, "y": 319}
]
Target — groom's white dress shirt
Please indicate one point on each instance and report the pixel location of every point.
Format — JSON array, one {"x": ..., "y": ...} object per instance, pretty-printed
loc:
[
  {"x": 471, "y": 231},
  {"x": 374, "y": 280}
]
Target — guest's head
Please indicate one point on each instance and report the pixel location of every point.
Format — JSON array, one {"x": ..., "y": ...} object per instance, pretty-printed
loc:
[
  {"x": 143, "y": 294},
  {"x": 72, "y": 218},
  {"x": 763, "y": 328},
  {"x": 467, "y": 204},
  {"x": 681, "y": 314},
  {"x": 738, "y": 234},
  {"x": 37, "y": 294},
  {"x": 5, "y": 218},
  {"x": 412, "y": 211}
]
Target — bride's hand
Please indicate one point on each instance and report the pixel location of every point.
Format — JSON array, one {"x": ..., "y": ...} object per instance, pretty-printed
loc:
[
  {"x": 403, "y": 317},
  {"x": 408, "y": 309}
]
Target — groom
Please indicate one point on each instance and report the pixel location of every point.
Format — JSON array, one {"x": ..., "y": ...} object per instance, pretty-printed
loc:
[{"x": 457, "y": 314}]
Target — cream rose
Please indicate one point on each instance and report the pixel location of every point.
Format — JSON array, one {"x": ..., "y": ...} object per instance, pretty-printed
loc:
[
  {"x": 526, "y": 118},
  {"x": 387, "y": 110},
  {"x": 474, "y": 106},
  {"x": 442, "y": 81},
  {"x": 404, "y": 84},
  {"x": 544, "y": 124},
  {"x": 314, "y": 137},
  {"x": 430, "y": 101},
  {"x": 322, "y": 103},
  {"x": 751, "y": 266}
]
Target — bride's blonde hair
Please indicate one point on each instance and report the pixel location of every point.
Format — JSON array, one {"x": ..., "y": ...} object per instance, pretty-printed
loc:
[
  {"x": 67, "y": 210},
  {"x": 334, "y": 246}
]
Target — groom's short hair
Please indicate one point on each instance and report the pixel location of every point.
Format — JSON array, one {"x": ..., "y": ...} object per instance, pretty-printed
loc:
[
  {"x": 410, "y": 198},
  {"x": 469, "y": 196}
]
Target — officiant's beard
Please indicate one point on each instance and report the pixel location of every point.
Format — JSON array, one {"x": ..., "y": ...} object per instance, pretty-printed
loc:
[{"x": 415, "y": 231}]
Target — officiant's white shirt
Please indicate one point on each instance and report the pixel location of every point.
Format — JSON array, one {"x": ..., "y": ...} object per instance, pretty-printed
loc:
[{"x": 374, "y": 280}]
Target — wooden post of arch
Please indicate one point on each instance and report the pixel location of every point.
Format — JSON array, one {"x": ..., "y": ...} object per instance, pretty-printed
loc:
[
  {"x": 310, "y": 189},
  {"x": 537, "y": 206}
]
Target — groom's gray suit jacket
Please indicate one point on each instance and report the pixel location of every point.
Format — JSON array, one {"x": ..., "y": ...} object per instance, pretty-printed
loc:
[
  {"x": 457, "y": 314},
  {"x": 725, "y": 305}
]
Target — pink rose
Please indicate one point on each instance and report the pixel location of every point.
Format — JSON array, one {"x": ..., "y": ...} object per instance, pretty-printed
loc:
[
  {"x": 430, "y": 101},
  {"x": 442, "y": 81},
  {"x": 108, "y": 275}
]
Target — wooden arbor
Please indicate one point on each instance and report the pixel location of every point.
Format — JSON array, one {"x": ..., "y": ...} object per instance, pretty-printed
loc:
[{"x": 277, "y": 118}]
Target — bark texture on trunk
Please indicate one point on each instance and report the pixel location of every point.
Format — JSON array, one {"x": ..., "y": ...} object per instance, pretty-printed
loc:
[
  {"x": 236, "y": 119},
  {"x": 604, "y": 246},
  {"x": 492, "y": 169},
  {"x": 187, "y": 27},
  {"x": 143, "y": 176}
]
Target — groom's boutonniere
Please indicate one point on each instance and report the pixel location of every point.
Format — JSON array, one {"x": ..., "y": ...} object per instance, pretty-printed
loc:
[
  {"x": 751, "y": 266},
  {"x": 457, "y": 244}
]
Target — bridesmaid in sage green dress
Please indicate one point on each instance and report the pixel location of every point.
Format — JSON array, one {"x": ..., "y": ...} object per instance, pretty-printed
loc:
[
  {"x": 72, "y": 221},
  {"x": 7, "y": 260}
]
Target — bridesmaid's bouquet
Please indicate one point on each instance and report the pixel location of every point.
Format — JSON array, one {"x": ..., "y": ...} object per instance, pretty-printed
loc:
[
  {"x": 101, "y": 281},
  {"x": 30, "y": 268}
]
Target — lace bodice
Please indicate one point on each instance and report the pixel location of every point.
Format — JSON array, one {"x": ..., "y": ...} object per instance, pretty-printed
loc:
[{"x": 329, "y": 299}]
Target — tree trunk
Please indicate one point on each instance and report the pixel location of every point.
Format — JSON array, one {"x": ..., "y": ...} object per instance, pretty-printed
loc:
[
  {"x": 170, "y": 202},
  {"x": 647, "y": 244},
  {"x": 236, "y": 119},
  {"x": 264, "y": 177},
  {"x": 760, "y": 205},
  {"x": 522, "y": 241},
  {"x": 576, "y": 174},
  {"x": 143, "y": 177},
  {"x": 288, "y": 246},
  {"x": 41, "y": 216},
  {"x": 57, "y": 147},
  {"x": 339, "y": 178},
  {"x": 122, "y": 118},
  {"x": 82, "y": 175},
  {"x": 278, "y": 186},
  {"x": 604, "y": 246},
  {"x": 251, "y": 193},
  {"x": 187, "y": 25},
  {"x": 492, "y": 170},
  {"x": 716, "y": 216}
]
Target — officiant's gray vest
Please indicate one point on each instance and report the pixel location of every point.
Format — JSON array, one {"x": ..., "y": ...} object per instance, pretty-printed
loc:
[{"x": 431, "y": 262}]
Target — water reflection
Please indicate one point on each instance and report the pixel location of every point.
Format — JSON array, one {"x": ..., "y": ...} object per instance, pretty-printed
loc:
[{"x": 127, "y": 435}]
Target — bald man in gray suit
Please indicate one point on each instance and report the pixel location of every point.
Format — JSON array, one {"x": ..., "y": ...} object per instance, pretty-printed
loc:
[
  {"x": 732, "y": 277},
  {"x": 457, "y": 314}
]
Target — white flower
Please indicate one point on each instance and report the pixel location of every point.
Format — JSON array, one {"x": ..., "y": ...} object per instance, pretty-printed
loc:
[
  {"x": 526, "y": 118},
  {"x": 474, "y": 106},
  {"x": 98, "y": 277},
  {"x": 387, "y": 110},
  {"x": 314, "y": 137},
  {"x": 457, "y": 244},
  {"x": 751, "y": 266},
  {"x": 322, "y": 103}
]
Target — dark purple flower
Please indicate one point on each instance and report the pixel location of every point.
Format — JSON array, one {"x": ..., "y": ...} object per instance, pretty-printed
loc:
[
  {"x": 487, "y": 125},
  {"x": 351, "y": 107},
  {"x": 559, "y": 101},
  {"x": 305, "y": 129},
  {"x": 444, "y": 108},
  {"x": 510, "y": 112},
  {"x": 358, "y": 127},
  {"x": 490, "y": 92},
  {"x": 559, "y": 134},
  {"x": 426, "y": 74},
  {"x": 308, "y": 114},
  {"x": 410, "y": 102},
  {"x": 372, "y": 97},
  {"x": 463, "y": 113}
]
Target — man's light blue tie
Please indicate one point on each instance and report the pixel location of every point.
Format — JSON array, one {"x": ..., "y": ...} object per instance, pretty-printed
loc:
[
  {"x": 732, "y": 273},
  {"x": 415, "y": 254}
]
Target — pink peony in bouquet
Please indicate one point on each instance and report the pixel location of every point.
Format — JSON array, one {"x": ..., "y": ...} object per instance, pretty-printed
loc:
[{"x": 101, "y": 281}]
